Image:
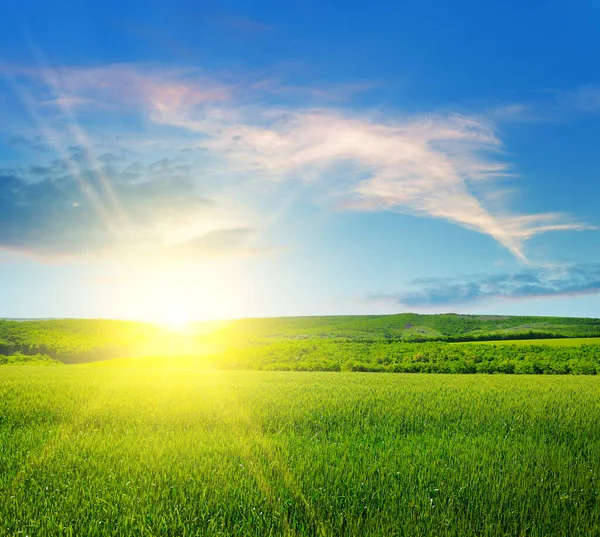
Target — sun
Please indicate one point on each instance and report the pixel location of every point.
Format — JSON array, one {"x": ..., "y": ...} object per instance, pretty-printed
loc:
[
  {"x": 177, "y": 321},
  {"x": 178, "y": 296}
]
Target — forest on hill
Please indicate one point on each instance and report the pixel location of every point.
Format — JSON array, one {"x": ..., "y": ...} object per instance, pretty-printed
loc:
[
  {"x": 413, "y": 327},
  {"x": 403, "y": 343}
]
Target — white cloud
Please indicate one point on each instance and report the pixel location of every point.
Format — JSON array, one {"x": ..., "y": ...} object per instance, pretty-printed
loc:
[
  {"x": 540, "y": 282},
  {"x": 428, "y": 165},
  {"x": 425, "y": 166}
]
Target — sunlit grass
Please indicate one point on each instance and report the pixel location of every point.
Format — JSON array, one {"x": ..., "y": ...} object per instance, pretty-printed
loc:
[{"x": 108, "y": 450}]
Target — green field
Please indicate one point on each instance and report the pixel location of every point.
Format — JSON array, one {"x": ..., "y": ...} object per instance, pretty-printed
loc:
[{"x": 118, "y": 450}]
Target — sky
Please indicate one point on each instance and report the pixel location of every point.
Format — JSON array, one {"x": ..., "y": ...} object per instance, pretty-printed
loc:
[{"x": 175, "y": 161}]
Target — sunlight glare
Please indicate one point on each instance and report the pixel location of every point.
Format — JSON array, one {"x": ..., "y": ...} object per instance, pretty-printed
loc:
[{"x": 176, "y": 321}]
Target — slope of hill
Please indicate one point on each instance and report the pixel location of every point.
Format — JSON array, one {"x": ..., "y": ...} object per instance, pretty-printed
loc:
[
  {"x": 84, "y": 340},
  {"x": 76, "y": 340},
  {"x": 412, "y": 326}
]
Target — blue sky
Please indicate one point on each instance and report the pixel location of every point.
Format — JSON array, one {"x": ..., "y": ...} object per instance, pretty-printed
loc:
[{"x": 163, "y": 160}]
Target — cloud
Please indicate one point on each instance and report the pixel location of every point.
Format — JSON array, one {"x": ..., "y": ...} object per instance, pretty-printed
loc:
[
  {"x": 584, "y": 98},
  {"x": 243, "y": 24},
  {"x": 533, "y": 283},
  {"x": 219, "y": 243},
  {"x": 37, "y": 143},
  {"x": 427, "y": 166},
  {"x": 117, "y": 86},
  {"x": 61, "y": 210},
  {"x": 552, "y": 105},
  {"x": 440, "y": 166}
]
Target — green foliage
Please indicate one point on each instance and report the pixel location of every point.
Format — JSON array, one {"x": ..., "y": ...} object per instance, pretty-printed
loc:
[
  {"x": 74, "y": 340},
  {"x": 410, "y": 327},
  {"x": 27, "y": 359},
  {"x": 393, "y": 343},
  {"x": 555, "y": 342},
  {"x": 101, "y": 450},
  {"x": 400, "y": 357}
]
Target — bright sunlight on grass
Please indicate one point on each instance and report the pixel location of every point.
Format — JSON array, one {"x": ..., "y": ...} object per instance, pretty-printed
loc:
[{"x": 90, "y": 450}]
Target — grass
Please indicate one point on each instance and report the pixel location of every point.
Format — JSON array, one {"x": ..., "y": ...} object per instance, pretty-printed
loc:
[{"x": 107, "y": 449}]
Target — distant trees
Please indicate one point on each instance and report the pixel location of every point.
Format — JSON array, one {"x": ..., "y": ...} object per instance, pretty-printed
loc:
[
  {"x": 73, "y": 340},
  {"x": 24, "y": 359},
  {"x": 431, "y": 357},
  {"x": 409, "y": 343}
]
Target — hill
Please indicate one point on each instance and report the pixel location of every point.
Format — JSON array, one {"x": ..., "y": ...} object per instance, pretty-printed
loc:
[
  {"x": 413, "y": 327},
  {"x": 85, "y": 340}
]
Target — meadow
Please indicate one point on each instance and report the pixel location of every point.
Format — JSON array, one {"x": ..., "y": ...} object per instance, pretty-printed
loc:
[
  {"x": 119, "y": 449},
  {"x": 262, "y": 427}
]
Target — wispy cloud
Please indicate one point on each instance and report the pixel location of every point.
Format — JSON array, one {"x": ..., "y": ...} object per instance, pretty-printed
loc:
[
  {"x": 533, "y": 283},
  {"x": 584, "y": 98},
  {"x": 550, "y": 105},
  {"x": 432, "y": 165},
  {"x": 425, "y": 166},
  {"x": 219, "y": 243},
  {"x": 37, "y": 143},
  {"x": 50, "y": 210},
  {"x": 243, "y": 24}
]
